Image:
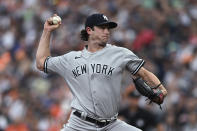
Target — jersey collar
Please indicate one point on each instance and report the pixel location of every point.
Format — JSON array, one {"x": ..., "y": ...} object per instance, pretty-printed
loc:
[{"x": 86, "y": 53}]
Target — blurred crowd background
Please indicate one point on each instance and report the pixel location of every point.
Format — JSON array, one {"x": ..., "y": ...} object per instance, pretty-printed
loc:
[{"x": 162, "y": 32}]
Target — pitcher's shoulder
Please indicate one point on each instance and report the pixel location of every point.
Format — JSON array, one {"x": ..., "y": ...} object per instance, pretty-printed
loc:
[
  {"x": 118, "y": 48},
  {"x": 72, "y": 54}
]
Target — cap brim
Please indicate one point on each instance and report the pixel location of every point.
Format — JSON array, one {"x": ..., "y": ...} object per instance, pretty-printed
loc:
[{"x": 108, "y": 24}]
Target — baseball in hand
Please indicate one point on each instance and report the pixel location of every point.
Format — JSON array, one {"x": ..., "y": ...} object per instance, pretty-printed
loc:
[{"x": 56, "y": 20}]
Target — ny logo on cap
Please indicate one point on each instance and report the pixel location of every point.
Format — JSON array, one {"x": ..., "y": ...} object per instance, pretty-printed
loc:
[{"x": 105, "y": 17}]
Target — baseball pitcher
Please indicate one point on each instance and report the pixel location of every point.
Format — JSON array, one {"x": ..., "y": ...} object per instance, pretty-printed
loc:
[{"x": 94, "y": 76}]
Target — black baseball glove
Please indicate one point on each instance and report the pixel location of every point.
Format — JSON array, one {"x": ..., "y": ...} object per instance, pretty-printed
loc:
[{"x": 152, "y": 93}]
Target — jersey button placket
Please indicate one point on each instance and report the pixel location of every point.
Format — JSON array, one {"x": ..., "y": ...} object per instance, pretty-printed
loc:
[
  {"x": 94, "y": 91},
  {"x": 91, "y": 76}
]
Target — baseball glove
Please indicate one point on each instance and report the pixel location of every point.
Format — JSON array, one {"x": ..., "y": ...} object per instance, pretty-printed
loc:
[{"x": 152, "y": 93}]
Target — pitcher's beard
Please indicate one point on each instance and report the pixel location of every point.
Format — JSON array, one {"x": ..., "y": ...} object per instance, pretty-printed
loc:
[
  {"x": 103, "y": 44},
  {"x": 100, "y": 42}
]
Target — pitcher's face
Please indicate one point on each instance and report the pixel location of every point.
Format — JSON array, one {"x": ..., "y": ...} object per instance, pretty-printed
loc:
[{"x": 100, "y": 34}]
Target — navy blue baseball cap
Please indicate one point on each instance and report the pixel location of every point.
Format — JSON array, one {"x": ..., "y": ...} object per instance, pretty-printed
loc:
[{"x": 99, "y": 20}]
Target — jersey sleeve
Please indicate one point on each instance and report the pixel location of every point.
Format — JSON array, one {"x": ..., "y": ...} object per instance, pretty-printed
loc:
[
  {"x": 132, "y": 62},
  {"x": 56, "y": 64}
]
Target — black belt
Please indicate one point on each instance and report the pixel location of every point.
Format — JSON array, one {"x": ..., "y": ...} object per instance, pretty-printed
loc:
[{"x": 100, "y": 123}]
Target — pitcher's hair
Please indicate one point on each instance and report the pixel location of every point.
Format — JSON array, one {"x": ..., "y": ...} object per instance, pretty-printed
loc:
[{"x": 84, "y": 35}]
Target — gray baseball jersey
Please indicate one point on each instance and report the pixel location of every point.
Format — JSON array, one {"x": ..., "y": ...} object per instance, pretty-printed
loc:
[{"x": 95, "y": 78}]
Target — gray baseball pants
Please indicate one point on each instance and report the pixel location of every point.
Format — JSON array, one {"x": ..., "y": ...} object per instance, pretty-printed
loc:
[{"x": 77, "y": 124}]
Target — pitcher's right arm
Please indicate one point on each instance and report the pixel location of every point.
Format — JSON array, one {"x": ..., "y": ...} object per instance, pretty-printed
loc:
[{"x": 43, "y": 50}]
